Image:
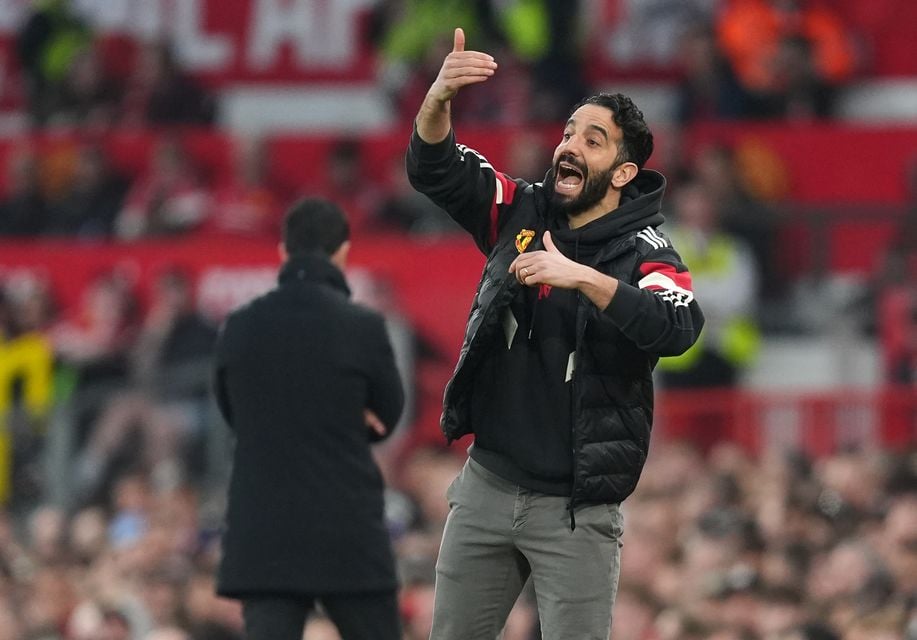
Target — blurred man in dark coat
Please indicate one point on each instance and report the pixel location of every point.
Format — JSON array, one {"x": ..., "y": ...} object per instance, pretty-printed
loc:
[{"x": 307, "y": 380}]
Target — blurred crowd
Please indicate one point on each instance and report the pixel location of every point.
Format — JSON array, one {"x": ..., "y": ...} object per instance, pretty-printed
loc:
[
  {"x": 730, "y": 59},
  {"x": 72, "y": 188},
  {"x": 718, "y": 545},
  {"x": 721, "y": 548}
]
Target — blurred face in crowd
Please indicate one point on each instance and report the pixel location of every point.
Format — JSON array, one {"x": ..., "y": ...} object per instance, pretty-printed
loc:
[
  {"x": 33, "y": 308},
  {"x": 170, "y": 161},
  {"x": 842, "y": 572},
  {"x": 22, "y": 171},
  {"x": 633, "y": 617},
  {"x": 173, "y": 292},
  {"x": 106, "y": 302},
  {"x": 114, "y": 627},
  {"x": 695, "y": 209},
  {"x": 699, "y": 52},
  {"x": 154, "y": 64},
  {"x": 88, "y": 532},
  {"x": 527, "y": 157},
  {"x": 91, "y": 169},
  {"x": 900, "y": 542},
  {"x": 168, "y": 633},
  {"x": 252, "y": 161},
  {"x": 9, "y": 623},
  {"x": 86, "y": 73}
]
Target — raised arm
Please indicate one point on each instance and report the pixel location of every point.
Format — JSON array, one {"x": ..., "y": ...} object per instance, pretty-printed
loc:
[{"x": 460, "y": 68}]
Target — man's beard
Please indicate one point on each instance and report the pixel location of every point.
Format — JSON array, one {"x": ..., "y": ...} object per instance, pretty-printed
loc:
[{"x": 593, "y": 191}]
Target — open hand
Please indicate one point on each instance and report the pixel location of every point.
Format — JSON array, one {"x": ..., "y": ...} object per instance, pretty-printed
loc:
[{"x": 461, "y": 68}]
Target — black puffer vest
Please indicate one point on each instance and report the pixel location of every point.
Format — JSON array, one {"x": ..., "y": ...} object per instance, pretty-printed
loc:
[{"x": 612, "y": 383}]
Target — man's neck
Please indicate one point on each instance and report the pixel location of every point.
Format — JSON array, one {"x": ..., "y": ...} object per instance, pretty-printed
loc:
[{"x": 608, "y": 204}]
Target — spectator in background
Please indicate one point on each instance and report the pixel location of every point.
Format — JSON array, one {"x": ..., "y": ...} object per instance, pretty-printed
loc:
[
  {"x": 93, "y": 200},
  {"x": 740, "y": 212},
  {"x": 26, "y": 388},
  {"x": 405, "y": 32},
  {"x": 93, "y": 339},
  {"x": 209, "y": 616},
  {"x": 345, "y": 182},
  {"x": 849, "y": 581},
  {"x": 49, "y": 598},
  {"x": 708, "y": 89},
  {"x": 542, "y": 36},
  {"x": 898, "y": 542},
  {"x": 724, "y": 275},
  {"x": 33, "y": 307},
  {"x": 88, "y": 96},
  {"x": 48, "y": 43},
  {"x": 413, "y": 40},
  {"x": 895, "y": 292},
  {"x": 403, "y": 209},
  {"x": 648, "y": 32},
  {"x": 785, "y": 52},
  {"x": 166, "y": 399},
  {"x": 246, "y": 204},
  {"x": 169, "y": 199},
  {"x": 802, "y": 93},
  {"x": 307, "y": 380},
  {"x": 23, "y": 209},
  {"x": 10, "y": 626},
  {"x": 168, "y": 633},
  {"x": 121, "y": 556},
  {"x": 810, "y": 631},
  {"x": 159, "y": 93},
  {"x": 527, "y": 156}
]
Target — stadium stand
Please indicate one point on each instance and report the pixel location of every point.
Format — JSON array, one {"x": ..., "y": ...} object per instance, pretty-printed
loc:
[{"x": 139, "y": 139}]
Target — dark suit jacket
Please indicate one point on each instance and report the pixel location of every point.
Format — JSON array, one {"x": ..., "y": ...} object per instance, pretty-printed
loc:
[{"x": 295, "y": 369}]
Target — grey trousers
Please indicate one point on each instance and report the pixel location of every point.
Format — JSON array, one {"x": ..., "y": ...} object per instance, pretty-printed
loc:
[{"x": 497, "y": 535}]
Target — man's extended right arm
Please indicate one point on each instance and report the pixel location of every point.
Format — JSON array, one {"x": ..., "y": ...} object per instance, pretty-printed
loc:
[
  {"x": 460, "y": 69},
  {"x": 455, "y": 177}
]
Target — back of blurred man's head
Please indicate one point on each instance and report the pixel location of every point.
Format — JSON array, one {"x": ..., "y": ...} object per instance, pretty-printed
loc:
[{"x": 314, "y": 225}]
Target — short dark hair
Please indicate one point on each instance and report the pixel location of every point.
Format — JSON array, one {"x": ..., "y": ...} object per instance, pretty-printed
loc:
[
  {"x": 314, "y": 225},
  {"x": 637, "y": 139}
]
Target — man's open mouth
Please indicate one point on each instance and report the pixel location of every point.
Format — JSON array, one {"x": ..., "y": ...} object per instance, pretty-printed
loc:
[{"x": 569, "y": 176}]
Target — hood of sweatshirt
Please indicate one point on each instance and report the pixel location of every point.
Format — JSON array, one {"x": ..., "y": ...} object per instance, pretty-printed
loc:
[{"x": 640, "y": 206}]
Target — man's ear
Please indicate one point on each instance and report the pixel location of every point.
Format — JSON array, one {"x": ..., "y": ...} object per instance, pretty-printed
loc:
[
  {"x": 623, "y": 174},
  {"x": 282, "y": 252},
  {"x": 339, "y": 257}
]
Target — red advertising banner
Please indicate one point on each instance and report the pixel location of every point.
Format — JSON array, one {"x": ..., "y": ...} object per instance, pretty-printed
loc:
[
  {"x": 223, "y": 41},
  {"x": 431, "y": 283}
]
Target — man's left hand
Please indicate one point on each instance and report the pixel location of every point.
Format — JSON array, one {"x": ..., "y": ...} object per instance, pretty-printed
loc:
[
  {"x": 549, "y": 267},
  {"x": 374, "y": 423}
]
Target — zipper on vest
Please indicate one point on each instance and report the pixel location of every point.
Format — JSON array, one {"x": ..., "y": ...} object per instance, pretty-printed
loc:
[
  {"x": 532, "y": 319},
  {"x": 578, "y": 338},
  {"x": 573, "y": 403}
]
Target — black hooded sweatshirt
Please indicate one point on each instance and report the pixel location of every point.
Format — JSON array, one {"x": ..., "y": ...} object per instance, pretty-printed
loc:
[
  {"x": 524, "y": 433},
  {"x": 558, "y": 392}
]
